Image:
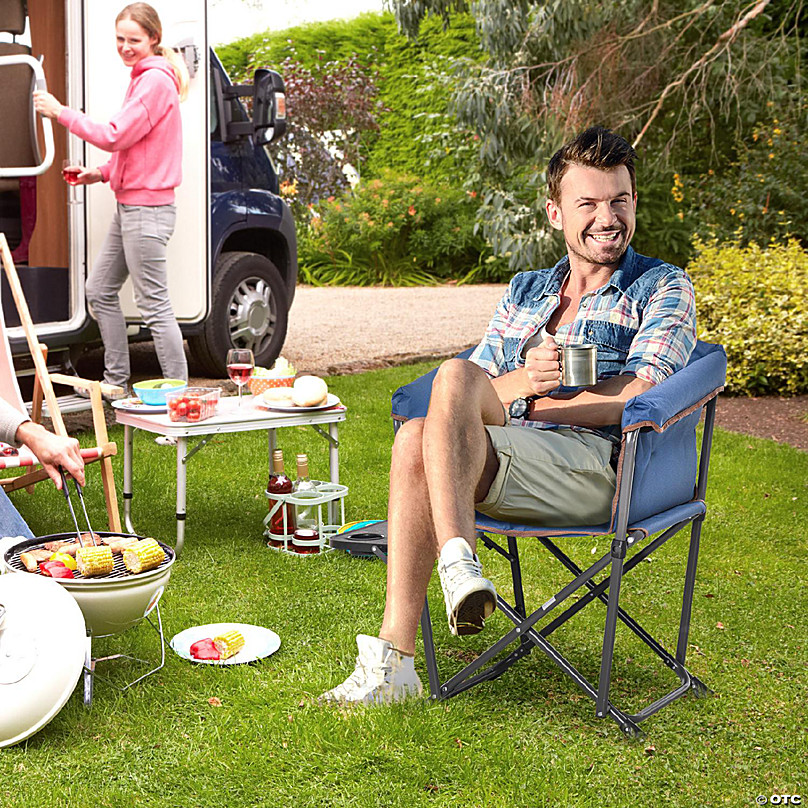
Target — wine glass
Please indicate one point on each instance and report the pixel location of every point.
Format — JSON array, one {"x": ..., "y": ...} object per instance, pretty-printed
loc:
[
  {"x": 240, "y": 364},
  {"x": 70, "y": 174}
]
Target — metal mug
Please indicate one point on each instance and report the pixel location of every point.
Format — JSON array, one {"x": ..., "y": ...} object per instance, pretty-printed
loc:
[{"x": 579, "y": 365}]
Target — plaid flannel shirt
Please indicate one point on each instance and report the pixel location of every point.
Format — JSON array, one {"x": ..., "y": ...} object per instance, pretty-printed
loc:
[{"x": 643, "y": 320}]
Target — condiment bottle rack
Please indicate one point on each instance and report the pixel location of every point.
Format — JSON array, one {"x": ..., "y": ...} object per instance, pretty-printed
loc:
[{"x": 325, "y": 493}]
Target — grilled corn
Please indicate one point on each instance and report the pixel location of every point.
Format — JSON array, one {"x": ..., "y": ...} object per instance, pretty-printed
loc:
[
  {"x": 143, "y": 555},
  {"x": 93, "y": 561},
  {"x": 229, "y": 643}
]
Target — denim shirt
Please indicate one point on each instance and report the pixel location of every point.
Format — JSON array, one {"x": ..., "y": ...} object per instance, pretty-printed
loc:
[{"x": 642, "y": 320}]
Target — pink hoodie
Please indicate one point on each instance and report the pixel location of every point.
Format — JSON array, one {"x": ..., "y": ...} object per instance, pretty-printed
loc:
[{"x": 145, "y": 137}]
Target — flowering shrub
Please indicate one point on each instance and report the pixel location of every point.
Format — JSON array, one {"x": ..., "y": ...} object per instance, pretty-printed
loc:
[
  {"x": 760, "y": 195},
  {"x": 754, "y": 301},
  {"x": 397, "y": 230}
]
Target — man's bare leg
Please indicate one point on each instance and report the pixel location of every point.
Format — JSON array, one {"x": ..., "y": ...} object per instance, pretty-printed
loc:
[
  {"x": 459, "y": 461},
  {"x": 460, "y": 464}
]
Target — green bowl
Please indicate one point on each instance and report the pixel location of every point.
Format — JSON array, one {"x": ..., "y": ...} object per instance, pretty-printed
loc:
[{"x": 154, "y": 391}]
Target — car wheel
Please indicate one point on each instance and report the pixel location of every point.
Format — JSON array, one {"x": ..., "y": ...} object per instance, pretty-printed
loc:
[{"x": 248, "y": 310}]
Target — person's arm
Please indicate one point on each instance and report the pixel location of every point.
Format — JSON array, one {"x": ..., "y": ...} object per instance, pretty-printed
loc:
[
  {"x": 600, "y": 405},
  {"x": 129, "y": 125}
]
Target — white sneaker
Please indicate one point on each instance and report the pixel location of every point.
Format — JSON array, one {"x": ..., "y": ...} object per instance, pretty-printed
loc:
[
  {"x": 382, "y": 675},
  {"x": 469, "y": 597}
]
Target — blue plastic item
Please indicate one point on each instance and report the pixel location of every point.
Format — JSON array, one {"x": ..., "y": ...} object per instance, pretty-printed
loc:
[{"x": 154, "y": 391}]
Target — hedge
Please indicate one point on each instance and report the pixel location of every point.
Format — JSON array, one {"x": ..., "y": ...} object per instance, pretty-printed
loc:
[{"x": 754, "y": 301}]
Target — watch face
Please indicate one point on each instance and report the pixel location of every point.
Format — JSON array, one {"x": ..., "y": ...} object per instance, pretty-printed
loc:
[{"x": 518, "y": 408}]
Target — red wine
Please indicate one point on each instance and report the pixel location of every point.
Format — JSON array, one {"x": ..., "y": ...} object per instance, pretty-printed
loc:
[
  {"x": 71, "y": 175},
  {"x": 240, "y": 374}
]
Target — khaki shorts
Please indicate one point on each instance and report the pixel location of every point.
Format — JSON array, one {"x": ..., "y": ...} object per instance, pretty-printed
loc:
[{"x": 550, "y": 477}]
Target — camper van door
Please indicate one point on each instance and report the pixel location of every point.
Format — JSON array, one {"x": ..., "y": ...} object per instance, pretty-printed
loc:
[{"x": 106, "y": 79}]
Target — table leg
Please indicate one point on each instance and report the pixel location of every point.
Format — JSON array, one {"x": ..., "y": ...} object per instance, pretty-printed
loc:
[
  {"x": 271, "y": 444},
  {"x": 127, "y": 477},
  {"x": 333, "y": 468},
  {"x": 182, "y": 476}
]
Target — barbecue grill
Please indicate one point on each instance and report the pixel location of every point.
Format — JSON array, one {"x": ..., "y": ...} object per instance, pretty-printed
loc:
[{"x": 110, "y": 603}]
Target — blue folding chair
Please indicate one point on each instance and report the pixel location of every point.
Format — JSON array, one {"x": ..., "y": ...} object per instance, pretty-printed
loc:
[{"x": 661, "y": 485}]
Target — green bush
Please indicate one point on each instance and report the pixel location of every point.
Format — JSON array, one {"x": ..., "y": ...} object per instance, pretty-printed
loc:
[
  {"x": 754, "y": 301},
  {"x": 397, "y": 230}
]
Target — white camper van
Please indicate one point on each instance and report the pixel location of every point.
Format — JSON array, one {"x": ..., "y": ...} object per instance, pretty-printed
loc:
[{"x": 233, "y": 257}]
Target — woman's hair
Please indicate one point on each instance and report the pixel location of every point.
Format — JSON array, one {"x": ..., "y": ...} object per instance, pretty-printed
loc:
[{"x": 146, "y": 17}]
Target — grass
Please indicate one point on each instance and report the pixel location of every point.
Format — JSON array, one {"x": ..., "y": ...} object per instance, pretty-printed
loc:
[{"x": 529, "y": 738}]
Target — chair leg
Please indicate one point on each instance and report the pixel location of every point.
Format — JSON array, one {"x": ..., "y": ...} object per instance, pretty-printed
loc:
[
  {"x": 687, "y": 597},
  {"x": 110, "y": 496},
  {"x": 429, "y": 651},
  {"x": 618, "y": 554}
]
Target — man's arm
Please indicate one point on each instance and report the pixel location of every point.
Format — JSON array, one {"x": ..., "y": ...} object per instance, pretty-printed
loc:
[{"x": 597, "y": 406}]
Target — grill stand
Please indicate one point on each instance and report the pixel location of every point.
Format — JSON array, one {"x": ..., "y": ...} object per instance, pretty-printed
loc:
[{"x": 90, "y": 662}]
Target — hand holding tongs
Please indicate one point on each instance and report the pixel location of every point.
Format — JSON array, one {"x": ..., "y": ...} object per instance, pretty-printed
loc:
[{"x": 83, "y": 507}]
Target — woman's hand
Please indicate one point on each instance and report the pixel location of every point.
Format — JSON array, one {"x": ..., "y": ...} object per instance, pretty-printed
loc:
[
  {"x": 543, "y": 367},
  {"x": 46, "y": 104},
  {"x": 53, "y": 451},
  {"x": 87, "y": 176}
]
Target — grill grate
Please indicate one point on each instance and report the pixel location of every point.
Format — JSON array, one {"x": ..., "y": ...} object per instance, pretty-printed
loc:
[{"x": 118, "y": 571}]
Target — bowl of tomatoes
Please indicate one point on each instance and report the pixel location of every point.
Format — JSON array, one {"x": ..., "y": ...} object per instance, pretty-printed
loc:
[{"x": 193, "y": 404}]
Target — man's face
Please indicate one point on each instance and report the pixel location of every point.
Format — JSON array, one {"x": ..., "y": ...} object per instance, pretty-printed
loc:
[{"x": 596, "y": 212}]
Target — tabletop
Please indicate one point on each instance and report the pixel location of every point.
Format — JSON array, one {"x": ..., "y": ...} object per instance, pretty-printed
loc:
[{"x": 230, "y": 418}]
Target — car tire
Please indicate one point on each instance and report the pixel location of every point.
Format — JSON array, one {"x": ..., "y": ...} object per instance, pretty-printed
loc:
[{"x": 249, "y": 309}]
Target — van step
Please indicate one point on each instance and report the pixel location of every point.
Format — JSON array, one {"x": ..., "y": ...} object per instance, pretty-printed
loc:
[{"x": 69, "y": 403}]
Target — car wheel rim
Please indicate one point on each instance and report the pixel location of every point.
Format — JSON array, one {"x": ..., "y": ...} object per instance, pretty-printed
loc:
[{"x": 252, "y": 315}]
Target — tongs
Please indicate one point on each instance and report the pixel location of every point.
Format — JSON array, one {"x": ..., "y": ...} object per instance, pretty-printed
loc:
[{"x": 83, "y": 507}]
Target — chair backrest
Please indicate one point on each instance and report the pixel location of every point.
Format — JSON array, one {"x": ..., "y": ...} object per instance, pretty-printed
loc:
[
  {"x": 9, "y": 388},
  {"x": 12, "y": 16},
  {"x": 18, "y": 146}
]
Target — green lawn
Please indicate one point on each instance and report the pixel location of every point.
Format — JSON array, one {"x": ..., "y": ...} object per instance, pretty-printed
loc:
[{"x": 528, "y": 739}]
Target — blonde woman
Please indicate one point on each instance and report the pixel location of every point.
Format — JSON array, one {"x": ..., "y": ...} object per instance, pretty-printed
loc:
[{"x": 145, "y": 139}]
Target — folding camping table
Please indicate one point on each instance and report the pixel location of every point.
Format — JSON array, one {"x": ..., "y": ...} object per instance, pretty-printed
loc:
[{"x": 229, "y": 418}]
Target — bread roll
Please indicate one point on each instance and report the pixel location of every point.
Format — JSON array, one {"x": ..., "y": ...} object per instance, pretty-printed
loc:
[
  {"x": 278, "y": 395},
  {"x": 309, "y": 391}
]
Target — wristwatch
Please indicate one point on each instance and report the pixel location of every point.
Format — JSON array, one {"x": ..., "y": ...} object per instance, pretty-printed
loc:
[{"x": 520, "y": 407}]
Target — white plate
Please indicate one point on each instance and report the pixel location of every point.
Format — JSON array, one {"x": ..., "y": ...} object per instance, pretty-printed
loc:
[
  {"x": 331, "y": 401},
  {"x": 134, "y": 404},
  {"x": 259, "y": 642}
]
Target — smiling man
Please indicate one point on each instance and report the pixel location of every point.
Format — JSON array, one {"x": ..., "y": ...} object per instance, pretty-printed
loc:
[{"x": 501, "y": 435}]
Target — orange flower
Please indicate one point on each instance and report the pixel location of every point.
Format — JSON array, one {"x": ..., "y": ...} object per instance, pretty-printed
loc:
[
  {"x": 472, "y": 194},
  {"x": 411, "y": 210}
]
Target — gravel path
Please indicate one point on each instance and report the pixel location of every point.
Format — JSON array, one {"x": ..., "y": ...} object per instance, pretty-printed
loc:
[{"x": 344, "y": 330}]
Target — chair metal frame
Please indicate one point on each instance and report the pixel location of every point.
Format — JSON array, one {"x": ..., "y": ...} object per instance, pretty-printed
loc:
[{"x": 529, "y": 634}]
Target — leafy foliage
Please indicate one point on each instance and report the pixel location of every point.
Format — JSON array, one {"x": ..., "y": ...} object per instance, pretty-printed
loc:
[
  {"x": 397, "y": 230},
  {"x": 681, "y": 79},
  {"x": 760, "y": 194},
  {"x": 754, "y": 301}
]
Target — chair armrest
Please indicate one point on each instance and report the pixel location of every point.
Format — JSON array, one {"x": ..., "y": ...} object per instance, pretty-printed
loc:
[
  {"x": 681, "y": 393},
  {"x": 85, "y": 384}
]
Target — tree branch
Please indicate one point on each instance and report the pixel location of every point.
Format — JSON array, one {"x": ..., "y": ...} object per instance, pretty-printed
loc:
[{"x": 725, "y": 40}]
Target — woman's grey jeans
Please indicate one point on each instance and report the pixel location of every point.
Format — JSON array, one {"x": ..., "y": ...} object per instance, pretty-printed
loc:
[{"x": 136, "y": 246}]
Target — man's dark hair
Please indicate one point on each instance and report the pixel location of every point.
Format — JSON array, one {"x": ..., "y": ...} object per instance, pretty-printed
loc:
[{"x": 595, "y": 148}]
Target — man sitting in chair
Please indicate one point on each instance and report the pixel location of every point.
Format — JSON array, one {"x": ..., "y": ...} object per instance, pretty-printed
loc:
[
  {"x": 501, "y": 435},
  {"x": 51, "y": 450}
]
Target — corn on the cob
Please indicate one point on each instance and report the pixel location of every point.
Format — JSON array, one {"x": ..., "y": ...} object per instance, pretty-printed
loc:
[
  {"x": 229, "y": 643},
  {"x": 93, "y": 561},
  {"x": 143, "y": 555}
]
